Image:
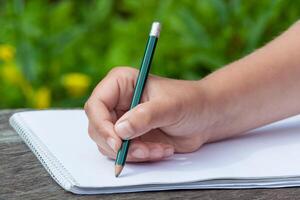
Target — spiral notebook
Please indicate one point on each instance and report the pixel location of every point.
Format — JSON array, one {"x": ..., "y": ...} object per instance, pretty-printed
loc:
[{"x": 266, "y": 157}]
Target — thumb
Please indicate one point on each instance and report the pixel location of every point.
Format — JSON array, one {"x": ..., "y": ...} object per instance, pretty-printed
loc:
[{"x": 145, "y": 117}]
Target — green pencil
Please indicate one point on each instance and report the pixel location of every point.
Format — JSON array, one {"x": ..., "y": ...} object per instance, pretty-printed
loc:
[{"x": 138, "y": 90}]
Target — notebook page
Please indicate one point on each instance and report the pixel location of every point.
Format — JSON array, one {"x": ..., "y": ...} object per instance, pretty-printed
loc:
[{"x": 271, "y": 151}]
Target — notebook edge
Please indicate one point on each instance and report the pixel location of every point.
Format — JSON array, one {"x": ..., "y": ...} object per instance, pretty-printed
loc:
[{"x": 23, "y": 131}]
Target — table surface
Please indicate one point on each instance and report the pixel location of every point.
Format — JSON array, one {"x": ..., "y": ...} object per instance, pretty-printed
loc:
[{"x": 23, "y": 177}]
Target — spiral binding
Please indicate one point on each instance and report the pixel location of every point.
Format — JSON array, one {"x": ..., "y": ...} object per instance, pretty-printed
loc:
[{"x": 53, "y": 166}]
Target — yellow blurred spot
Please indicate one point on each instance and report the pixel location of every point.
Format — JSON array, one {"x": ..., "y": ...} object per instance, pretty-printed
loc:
[
  {"x": 42, "y": 98},
  {"x": 11, "y": 74},
  {"x": 7, "y": 52},
  {"x": 76, "y": 84}
]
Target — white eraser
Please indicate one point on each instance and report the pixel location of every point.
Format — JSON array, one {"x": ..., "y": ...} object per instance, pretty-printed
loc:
[{"x": 155, "y": 29}]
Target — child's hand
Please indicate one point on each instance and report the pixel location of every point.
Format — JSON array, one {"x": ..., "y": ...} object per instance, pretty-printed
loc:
[
  {"x": 182, "y": 115},
  {"x": 172, "y": 116}
]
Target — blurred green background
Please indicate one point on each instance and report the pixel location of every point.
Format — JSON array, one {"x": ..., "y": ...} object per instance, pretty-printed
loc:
[{"x": 53, "y": 52}]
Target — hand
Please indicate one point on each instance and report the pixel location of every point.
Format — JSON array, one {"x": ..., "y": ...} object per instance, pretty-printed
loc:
[{"x": 172, "y": 116}]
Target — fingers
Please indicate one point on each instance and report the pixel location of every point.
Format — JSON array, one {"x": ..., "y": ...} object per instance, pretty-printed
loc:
[
  {"x": 105, "y": 139},
  {"x": 145, "y": 117},
  {"x": 112, "y": 92},
  {"x": 116, "y": 89},
  {"x": 140, "y": 151},
  {"x": 101, "y": 128},
  {"x": 109, "y": 99}
]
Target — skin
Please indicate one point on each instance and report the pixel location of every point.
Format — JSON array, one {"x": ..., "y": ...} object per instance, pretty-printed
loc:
[{"x": 177, "y": 116}]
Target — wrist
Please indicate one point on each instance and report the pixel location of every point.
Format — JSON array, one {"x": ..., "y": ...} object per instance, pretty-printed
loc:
[
  {"x": 217, "y": 111},
  {"x": 205, "y": 113}
]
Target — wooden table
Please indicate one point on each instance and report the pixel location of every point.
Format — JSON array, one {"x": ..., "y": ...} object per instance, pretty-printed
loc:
[{"x": 23, "y": 177}]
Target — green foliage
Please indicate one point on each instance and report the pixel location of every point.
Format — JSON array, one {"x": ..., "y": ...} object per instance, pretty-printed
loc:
[{"x": 55, "y": 38}]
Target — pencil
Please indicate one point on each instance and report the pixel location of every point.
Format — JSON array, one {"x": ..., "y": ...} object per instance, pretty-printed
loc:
[{"x": 138, "y": 90}]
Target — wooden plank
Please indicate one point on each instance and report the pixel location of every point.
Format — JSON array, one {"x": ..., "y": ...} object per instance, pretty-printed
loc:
[
  {"x": 7, "y": 135},
  {"x": 23, "y": 177}
]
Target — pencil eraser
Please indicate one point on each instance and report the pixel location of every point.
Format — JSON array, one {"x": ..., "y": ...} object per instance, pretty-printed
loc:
[{"x": 155, "y": 29}]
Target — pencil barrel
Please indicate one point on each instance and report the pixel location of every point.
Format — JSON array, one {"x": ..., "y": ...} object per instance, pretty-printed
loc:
[
  {"x": 144, "y": 71},
  {"x": 138, "y": 91}
]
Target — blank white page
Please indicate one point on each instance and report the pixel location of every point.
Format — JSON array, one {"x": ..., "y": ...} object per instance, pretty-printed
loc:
[{"x": 271, "y": 151}]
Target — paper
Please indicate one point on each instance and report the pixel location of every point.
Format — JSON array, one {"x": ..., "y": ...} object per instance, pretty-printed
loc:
[{"x": 262, "y": 154}]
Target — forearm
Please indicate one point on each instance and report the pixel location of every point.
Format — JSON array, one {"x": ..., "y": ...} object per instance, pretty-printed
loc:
[{"x": 258, "y": 89}]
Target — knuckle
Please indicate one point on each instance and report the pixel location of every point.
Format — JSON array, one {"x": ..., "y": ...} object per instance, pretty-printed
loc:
[{"x": 99, "y": 130}]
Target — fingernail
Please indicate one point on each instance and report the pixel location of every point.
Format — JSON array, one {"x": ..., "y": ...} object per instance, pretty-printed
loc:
[
  {"x": 111, "y": 142},
  {"x": 168, "y": 152},
  {"x": 138, "y": 153},
  {"x": 123, "y": 129}
]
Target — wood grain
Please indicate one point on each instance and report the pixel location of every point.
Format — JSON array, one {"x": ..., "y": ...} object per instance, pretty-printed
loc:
[{"x": 23, "y": 177}]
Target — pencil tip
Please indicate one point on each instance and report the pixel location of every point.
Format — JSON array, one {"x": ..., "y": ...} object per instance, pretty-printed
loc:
[{"x": 118, "y": 170}]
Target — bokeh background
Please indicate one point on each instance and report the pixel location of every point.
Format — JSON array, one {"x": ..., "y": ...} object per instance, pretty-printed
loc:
[{"x": 53, "y": 52}]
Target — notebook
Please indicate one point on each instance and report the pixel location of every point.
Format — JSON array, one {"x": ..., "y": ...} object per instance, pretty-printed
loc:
[{"x": 267, "y": 157}]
